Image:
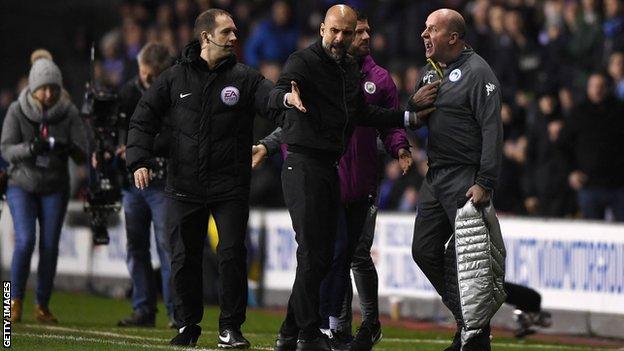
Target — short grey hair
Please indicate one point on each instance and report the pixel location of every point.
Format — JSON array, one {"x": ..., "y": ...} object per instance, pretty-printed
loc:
[
  {"x": 154, "y": 55},
  {"x": 207, "y": 21}
]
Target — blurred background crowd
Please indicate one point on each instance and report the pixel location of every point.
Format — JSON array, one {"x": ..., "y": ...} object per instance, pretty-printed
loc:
[{"x": 560, "y": 64}]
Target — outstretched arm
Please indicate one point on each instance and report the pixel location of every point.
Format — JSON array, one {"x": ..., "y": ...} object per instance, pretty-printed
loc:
[{"x": 286, "y": 93}]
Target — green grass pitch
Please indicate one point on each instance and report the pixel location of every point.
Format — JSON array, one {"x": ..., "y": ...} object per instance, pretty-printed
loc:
[{"x": 88, "y": 323}]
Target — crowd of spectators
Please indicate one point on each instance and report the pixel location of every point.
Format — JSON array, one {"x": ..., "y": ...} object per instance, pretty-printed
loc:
[{"x": 560, "y": 64}]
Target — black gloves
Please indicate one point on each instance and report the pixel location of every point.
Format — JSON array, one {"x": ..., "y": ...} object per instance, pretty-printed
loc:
[
  {"x": 40, "y": 146},
  {"x": 44, "y": 146}
]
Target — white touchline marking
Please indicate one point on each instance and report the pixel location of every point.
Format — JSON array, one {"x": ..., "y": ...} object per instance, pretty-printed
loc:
[
  {"x": 391, "y": 340},
  {"x": 101, "y": 341},
  {"x": 111, "y": 334},
  {"x": 94, "y": 332},
  {"x": 168, "y": 332}
]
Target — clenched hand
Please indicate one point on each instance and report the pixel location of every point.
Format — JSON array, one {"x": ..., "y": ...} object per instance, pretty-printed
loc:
[
  {"x": 478, "y": 195},
  {"x": 141, "y": 178},
  {"x": 426, "y": 95}
]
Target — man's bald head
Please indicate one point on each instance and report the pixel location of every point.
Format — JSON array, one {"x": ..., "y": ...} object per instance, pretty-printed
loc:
[
  {"x": 341, "y": 11},
  {"x": 454, "y": 21},
  {"x": 444, "y": 35},
  {"x": 338, "y": 30}
]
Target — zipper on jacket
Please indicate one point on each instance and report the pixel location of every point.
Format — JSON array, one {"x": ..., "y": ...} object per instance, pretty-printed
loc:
[
  {"x": 204, "y": 124},
  {"x": 343, "y": 143}
]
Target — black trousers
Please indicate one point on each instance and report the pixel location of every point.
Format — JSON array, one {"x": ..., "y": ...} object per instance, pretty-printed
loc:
[
  {"x": 523, "y": 297},
  {"x": 187, "y": 225},
  {"x": 443, "y": 190},
  {"x": 311, "y": 192},
  {"x": 364, "y": 274},
  {"x": 352, "y": 217}
]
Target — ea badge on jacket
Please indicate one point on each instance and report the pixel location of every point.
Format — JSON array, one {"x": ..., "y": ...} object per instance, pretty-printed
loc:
[
  {"x": 455, "y": 75},
  {"x": 370, "y": 87},
  {"x": 230, "y": 95}
]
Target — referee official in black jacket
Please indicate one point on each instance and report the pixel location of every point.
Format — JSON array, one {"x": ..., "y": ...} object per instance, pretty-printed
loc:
[
  {"x": 210, "y": 101},
  {"x": 317, "y": 125}
]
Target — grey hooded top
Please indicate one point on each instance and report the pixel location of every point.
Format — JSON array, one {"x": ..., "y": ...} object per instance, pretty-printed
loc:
[{"x": 20, "y": 127}]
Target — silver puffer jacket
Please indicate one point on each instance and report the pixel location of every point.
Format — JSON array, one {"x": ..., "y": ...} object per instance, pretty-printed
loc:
[{"x": 480, "y": 254}]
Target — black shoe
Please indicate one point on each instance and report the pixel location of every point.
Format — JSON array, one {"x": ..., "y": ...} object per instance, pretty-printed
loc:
[
  {"x": 137, "y": 319},
  {"x": 368, "y": 335},
  {"x": 319, "y": 343},
  {"x": 285, "y": 343},
  {"x": 456, "y": 345},
  {"x": 340, "y": 341},
  {"x": 526, "y": 320},
  {"x": 543, "y": 319},
  {"x": 188, "y": 337},
  {"x": 232, "y": 339},
  {"x": 480, "y": 342}
]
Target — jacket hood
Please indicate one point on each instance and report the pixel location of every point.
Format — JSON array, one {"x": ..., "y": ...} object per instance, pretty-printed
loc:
[
  {"x": 191, "y": 51},
  {"x": 191, "y": 54},
  {"x": 33, "y": 111}
]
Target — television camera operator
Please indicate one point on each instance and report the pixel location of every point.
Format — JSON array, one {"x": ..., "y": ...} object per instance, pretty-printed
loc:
[{"x": 142, "y": 207}]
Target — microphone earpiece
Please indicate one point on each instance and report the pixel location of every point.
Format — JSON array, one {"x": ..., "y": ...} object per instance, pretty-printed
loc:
[
  {"x": 217, "y": 44},
  {"x": 208, "y": 36}
]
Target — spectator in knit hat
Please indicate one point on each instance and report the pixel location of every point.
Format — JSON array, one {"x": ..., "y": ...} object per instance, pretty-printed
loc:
[{"x": 40, "y": 131}]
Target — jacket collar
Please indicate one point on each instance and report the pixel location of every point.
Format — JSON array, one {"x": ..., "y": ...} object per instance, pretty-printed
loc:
[
  {"x": 459, "y": 60},
  {"x": 191, "y": 55},
  {"x": 368, "y": 63},
  {"x": 317, "y": 47}
]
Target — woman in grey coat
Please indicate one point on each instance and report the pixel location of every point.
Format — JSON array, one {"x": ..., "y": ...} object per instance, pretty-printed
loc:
[{"x": 41, "y": 130}]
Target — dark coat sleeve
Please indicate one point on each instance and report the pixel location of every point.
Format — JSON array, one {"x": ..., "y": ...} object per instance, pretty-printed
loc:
[
  {"x": 272, "y": 141},
  {"x": 378, "y": 117},
  {"x": 296, "y": 70},
  {"x": 485, "y": 101},
  {"x": 146, "y": 122},
  {"x": 394, "y": 139},
  {"x": 262, "y": 88}
]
